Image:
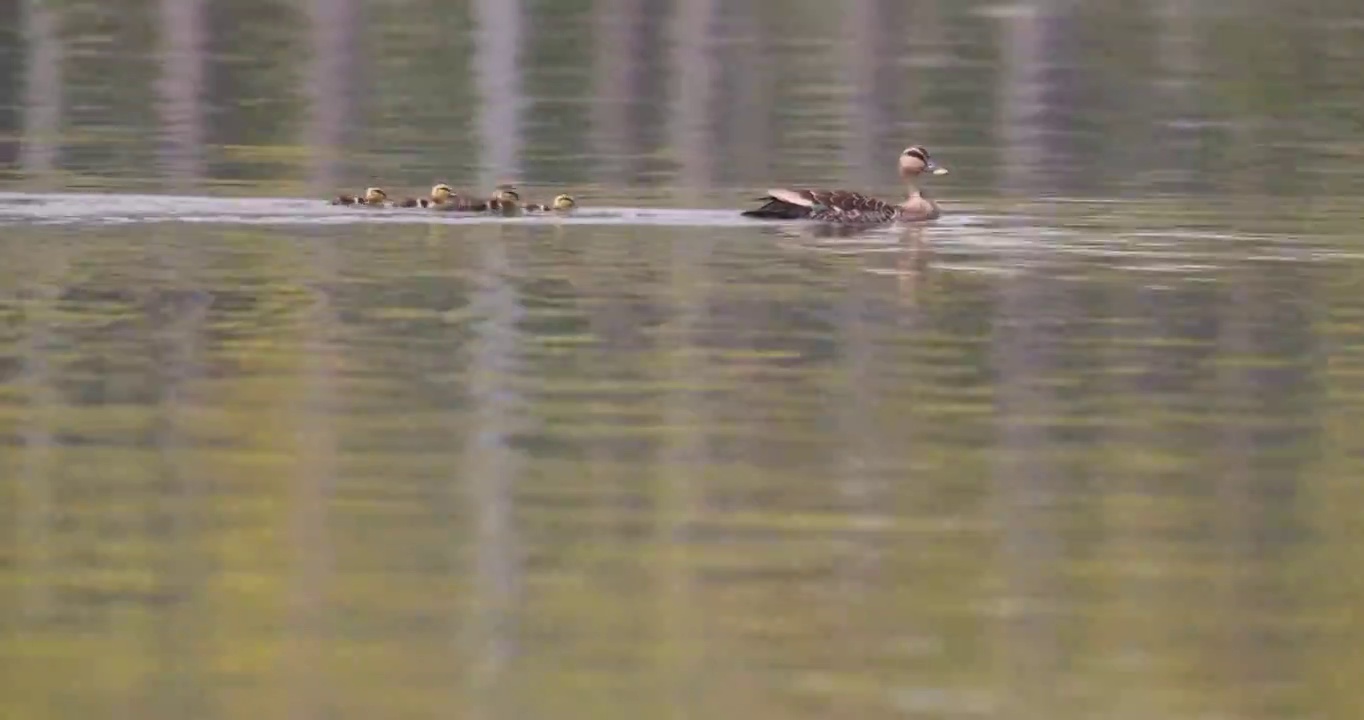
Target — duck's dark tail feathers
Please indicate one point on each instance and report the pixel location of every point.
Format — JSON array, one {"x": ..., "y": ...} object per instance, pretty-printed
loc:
[{"x": 777, "y": 210}]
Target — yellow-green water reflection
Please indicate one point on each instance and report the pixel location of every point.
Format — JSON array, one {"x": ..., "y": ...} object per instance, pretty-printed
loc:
[{"x": 520, "y": 471}]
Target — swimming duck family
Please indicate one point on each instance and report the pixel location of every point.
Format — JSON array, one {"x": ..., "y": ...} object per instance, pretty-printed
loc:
[
  {"x": 835, "y": 206},
  {"x": 853, "y": 208}
]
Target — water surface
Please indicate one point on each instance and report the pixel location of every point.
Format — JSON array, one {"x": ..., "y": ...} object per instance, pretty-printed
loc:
[{"x": 1086, "y": 447}]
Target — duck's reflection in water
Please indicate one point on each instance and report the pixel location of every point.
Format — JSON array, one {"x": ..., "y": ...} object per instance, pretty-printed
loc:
[
  {"x": 904, "y": 253},
  {"x": 911, "y": 263}
]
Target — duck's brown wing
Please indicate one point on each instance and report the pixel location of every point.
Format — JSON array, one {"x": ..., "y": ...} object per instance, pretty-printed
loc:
[
  {"x": 345, "y": 200},
  {"x": 820, "y": 204},
  {"x": 842, "y": 206}
]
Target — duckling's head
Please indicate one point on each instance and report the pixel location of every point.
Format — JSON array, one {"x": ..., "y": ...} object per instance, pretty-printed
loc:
[
  {"x": 564, "y": 202},
  {"x": 375, "y": 195},
  {"x": 506, "y": 192},
  {"x": 915, "y": 161},
  {"x": 440, "y": 192}
]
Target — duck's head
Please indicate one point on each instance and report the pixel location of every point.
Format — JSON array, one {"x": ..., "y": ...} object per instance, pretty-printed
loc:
[
  {"x": 375, "y": 195},
  {"x": 916, "y": 161},
  {"x": 564, "y": 202},
  {"x": 440, "y": 192}
]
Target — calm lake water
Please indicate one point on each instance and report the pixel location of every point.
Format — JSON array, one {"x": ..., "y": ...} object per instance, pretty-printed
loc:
[{"x": 1084, "y": 448}]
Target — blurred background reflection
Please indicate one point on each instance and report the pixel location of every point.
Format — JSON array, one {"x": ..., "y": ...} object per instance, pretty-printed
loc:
[{"x": 1086, "y": 448}]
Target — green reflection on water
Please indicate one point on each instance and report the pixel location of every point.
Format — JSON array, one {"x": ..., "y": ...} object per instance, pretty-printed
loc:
[
  {"x": 503, "y": 470},
  {"x": 1066, "y": 459}
]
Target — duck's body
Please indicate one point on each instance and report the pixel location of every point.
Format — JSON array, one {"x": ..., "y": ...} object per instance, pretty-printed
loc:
[
  {"x": 372, "y": 197},
  {"x": 842, "y": 206},
  {"x": 853, "y": 208},
  {"x": 459, "y": 203},
  {"x": 561, "y": 204}
]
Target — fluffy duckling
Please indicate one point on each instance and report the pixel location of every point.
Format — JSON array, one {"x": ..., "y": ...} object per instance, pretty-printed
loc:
[
  {"x": 373, "y": 197},
  {"x": 562, "y": 203},
  {"x": 440, "y": 194},
  {"x": 506, "y": 201},
  {"x": 455, "y": 202}
]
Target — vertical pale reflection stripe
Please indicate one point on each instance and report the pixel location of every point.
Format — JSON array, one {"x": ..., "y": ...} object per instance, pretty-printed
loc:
[
  {"x": 864, "y": 48},
  {"x": 746, "y": 117},
  {"x": 178, "y": 320},
  {"x": 861, "y": 442},
  {"x": 693, "y": 71},
  {"x": 497, "y": 50},
  {"x": 614, "y": 38},
  {"x": 1136, "y": 617},
  {"x": 42, "y": 89},
  {"x": 33, "y": 514},
  {"x": 861, "y": 41},
  {"x": 180, "y": 89},
  {"x": 685, "y": 454},
  {"x": 684, "y": 458},
  {"x": 489, "y": 472},
  {"x": 1248, "y": 496},
  {"x": 860, "y": 36},
  {"x": 489, "y": 469},
  {"x": 1027, "y": 481},
  {"x": 1141, "y": 608},
  {"x": 333, "y": 31},
  {"x": 1177, "y": 39},
  {"x": 1021, "y": 98},
  {"x": 313, "y": 483},
  {"x": 1178, "y": 97}
]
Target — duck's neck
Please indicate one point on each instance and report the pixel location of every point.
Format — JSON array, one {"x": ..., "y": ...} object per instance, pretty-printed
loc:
[
  {"x": 912, "y": 194},
  {"x": 916, "y": 206}
]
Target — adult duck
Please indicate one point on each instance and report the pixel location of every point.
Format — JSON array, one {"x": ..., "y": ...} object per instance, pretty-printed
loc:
[{"x": 847, "y": 207}]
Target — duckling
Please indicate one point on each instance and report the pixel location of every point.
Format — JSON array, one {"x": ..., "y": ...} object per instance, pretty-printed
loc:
[
  {"x": 506, "y": 201},
  {"x": 458, "y": 203},
  {"x": 373, "y": 197},
  {"x": 562, "y": 204},
  {"x": 843, "y": 206},
  {"x": 440, "y": 194}
]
